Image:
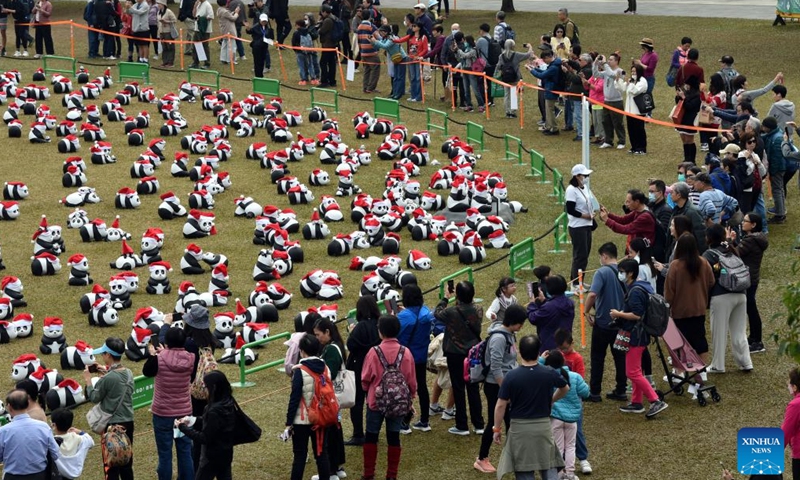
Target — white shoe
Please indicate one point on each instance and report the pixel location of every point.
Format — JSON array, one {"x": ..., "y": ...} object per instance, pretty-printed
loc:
[
  {"x": 17, "y": 54},
  {"x": 621, "y": 146},
  {"x": 37, "y": 56},
  {"x": 25, "y": 53},
  {"x": 155, "y": 57},
  {"x": 448, "y": 414},
  {"x": 242, "y": 58},
  {"x": 606, "y": 145},
  {"x": 332, "y": 477},
  {"x": 479, "y": 431},
  {"x": 586, "y": 467},
  {"x": 341, "y": 473}
]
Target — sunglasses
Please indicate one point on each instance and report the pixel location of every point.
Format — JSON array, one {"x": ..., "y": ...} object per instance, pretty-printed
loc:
[{"x": 751, "y": 141}]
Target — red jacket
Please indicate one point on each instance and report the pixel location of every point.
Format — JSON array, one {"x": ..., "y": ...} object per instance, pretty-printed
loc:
[
  {"x": 373, "y": 370},
  {"x": 634, "y": 225},
  {"x": 791, "y": 425}
]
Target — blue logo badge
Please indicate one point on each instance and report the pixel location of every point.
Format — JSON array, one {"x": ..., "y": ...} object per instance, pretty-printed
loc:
[{"x": 760, "y": 451}]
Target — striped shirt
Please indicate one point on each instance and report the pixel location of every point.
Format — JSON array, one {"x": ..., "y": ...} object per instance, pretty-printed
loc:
[{"x": 364, "y": 32}]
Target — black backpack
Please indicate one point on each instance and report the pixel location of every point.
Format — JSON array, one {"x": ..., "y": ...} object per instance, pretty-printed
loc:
[
  {"x": 659, "y": 249},
  {"x": 494, "y": 52},
  {"x": 509, "y": 72},
  {"x": 656, "y": 317},
  {"x": 338, "y": 32}
]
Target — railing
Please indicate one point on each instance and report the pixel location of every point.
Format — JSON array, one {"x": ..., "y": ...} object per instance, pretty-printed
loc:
[
  {"x": 560, "y": 233},
  {"x": 431, "y": 112},
  {"x": 267, "y": 86},
  {"x": 315, "y": 102},
  {"x": 194, "y": 72},
  {"x": 386, "y": 107},
  {"x": 475, "y": 134},
  {"x": 513, "y": 148},
  {"x": 50, "y": 69},
  {"x": 558, "y": 187},
  {"x": 521, "y": 256},
  {"x": 243, "y": 372},
  {"x": 538, "y": 168},
  {"x": 464, "y": 271}
]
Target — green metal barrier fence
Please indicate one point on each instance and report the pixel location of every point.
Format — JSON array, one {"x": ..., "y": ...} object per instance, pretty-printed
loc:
[
  {"x": 53, "y": 69},
  {"x": 135, "y": 71},
  {"x": 475, "y": 134},
  {"x": 431, "y": 112},
  {"x": 513, "y": 148},
  {"x": 537, "y": 167},
  {"x": 243, "y": 372},
  {"x": 143, "y": 388},
  {"x": 386, "y": 107},
  {"x": 558, "y": 187},
  {"x": 521, "y": 256},
  {"x": 267, "y": 87},
  {"x": 560, "y": 233},
  {"x": 194, "y": 72},
  {"x": 316, "y": 102}
]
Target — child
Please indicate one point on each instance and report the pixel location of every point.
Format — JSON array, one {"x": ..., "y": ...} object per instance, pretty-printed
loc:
[
  {"x": 302, "y": 38},
  {"x": 73, "y": 444},
  {"x": 567, "y": 412},
  {"x": 127, "y": 30},
  {"x": 574, "y": 361},
  {"x": 302, "y": 326},
  {"x": 791, "y": 419},
  {"x": 504, "y": 296},
  {"x": 313, "y": 30}
]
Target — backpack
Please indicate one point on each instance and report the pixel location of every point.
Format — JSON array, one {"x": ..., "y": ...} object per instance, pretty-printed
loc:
[
  {"x": 656, "y": 317},
  {"x": 476, "y": 365},
  {"x": 727, "y": 78},
  {"x": 323, "y": 411},
  {"x": 508, "y": 33},
  {"x": 575, "y": 39},
  {"x": 117, "y": 448},
  {"x": 659, "y": 249},
  {"x": 392, "y": 395},
  {"x": 508, "y": 72},
  {"x": 306, "y": 41},
  {"x": 205, "y": 364},
  {"x": 337, "y": 34},
  {"x": 494, "y": 52},
  {"x": 734, "y": 275}
]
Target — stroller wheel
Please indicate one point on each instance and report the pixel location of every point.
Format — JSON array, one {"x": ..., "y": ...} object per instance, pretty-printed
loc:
[
  {"x": 715, "y": 396},
  {"x": 701, "y": 400},
  {"x": 678, "y": 390}
]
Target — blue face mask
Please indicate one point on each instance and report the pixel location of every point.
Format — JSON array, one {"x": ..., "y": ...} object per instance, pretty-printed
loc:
[
  {"x": 670, "y": 202},
  {"x": 651, "y": 196},
  {"x": 681, "y": 177}
]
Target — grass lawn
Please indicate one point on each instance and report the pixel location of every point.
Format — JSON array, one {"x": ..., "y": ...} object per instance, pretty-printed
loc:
[{"x": 686, "y": 441}]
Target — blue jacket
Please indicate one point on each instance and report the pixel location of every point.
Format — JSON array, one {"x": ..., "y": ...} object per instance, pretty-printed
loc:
[
  {"x": 549, "y": 78},
  {"x": 391, "y": 48},
  {"x": 422, "y": 336},
  {"x": 636, "y": 301},
  {"x": 557, "y": 312},
  {"x": 570, "y": 408},
  {"x": 772, "y": 146}
]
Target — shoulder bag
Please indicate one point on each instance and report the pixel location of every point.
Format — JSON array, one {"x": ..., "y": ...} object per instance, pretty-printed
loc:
[
  {"x": 98, "y": 418},
  {"x": 644, "y": 102},
  {"x": 344, "y": 385},
  {"x": 245, "y": 429}
]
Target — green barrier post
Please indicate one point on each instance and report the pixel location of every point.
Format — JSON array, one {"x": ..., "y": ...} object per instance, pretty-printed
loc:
[
  {"x": 521, "y": 256},
  {"x": 560, "y": 233},
  {"x": 475, "y": 134},
  {"x": 52, "y": 69},
  {"x": 135, "y": 71},
  {"x": 194, "y": 72},
  {"x": 242, "y": 383},
  {"x": 143, "y": 388},
  {"x": 513, "y": 148},
  {"x": 537, "y": 167},
  {"x": 386, "y": 107},
  {"x": 464, "y": 271},
  {"x": 267, "y": 87},
  {"x": 558, "y": 187},
  {"x": 316, "y": 102},
  {"x": 431, "y": 112}
]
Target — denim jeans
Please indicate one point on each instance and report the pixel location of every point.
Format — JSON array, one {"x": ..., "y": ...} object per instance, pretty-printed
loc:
[
  {"x": 304, "y": 65},
  {"x": 163, "y": 430},
  {"x": 569, "y": 109},
  {"x": 375, "y": 420},
  {"x": 314, "y": 65},
  {"x": 761, "y": 208},
  {"x": 239, "y": 44},
  {"x": 414, "y": 80},
  {"x": 577, "y": 115},
  {"x": 778, "y": 193},
  {"x": 581, "y": 451},
  {"x": 475, "y": 87},
  {"x": 651, "y": 82},
  {"x": 94, "y": 43},
  {"x": 399, "y": 80}
]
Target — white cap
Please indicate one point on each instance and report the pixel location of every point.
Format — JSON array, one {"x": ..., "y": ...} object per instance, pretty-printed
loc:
[
  {"x": 580, "y": 169},
  {"x": 263, "y": 18},
  {"x": 420, "y": 5}
]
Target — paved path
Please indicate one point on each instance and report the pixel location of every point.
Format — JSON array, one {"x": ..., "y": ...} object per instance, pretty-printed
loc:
[{"x": 745, "y": 9}]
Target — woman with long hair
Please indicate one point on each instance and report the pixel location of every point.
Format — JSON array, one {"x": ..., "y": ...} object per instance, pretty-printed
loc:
[
  {"x": 632, "y": 88},
  {"x": 748, "y": 164},
  {"x": 333, "y": 354},
  {"x": 715, "y": 98},
  {"x": 466, "y": 53},
  {"x": 416, "y": 324},
  {"x": 686, "y": 290},
  {"x": 560, "y": 44},
  {"x": 512, "y": 58},
  {"x": 417, "y": 44},
  {"x": 363, "y": 336},
  {"x": 690, "y": 94},
  {"x": 679, "y": 225}
]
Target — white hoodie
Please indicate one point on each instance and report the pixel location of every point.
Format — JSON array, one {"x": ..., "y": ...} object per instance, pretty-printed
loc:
[{"x": 73, "y": 450}]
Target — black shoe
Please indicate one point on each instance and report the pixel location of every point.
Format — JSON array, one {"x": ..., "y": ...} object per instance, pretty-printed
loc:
[
  {"x": 569, "y": 129},
  {"x": 595, "y": 398},
  {"x": 621, "y": 397},
  {"x": 324, "y": 85},
  {"x": 551, "y": 132},
  {"x": 777, "y": 219},
  {"x": 355, "y": 442},
  {"x": 194, "y": 65},
  {"x": 757, "y": 347}
]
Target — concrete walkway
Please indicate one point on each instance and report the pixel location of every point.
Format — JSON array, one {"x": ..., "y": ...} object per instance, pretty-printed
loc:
[{"x": 744, "y": 9}]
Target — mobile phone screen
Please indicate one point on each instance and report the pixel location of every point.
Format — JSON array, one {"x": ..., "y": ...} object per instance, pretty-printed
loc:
[
  {"x": 530, "y": 290},
  {"x": 393, "y": 305},
  {"x": 450, "y": 286}
]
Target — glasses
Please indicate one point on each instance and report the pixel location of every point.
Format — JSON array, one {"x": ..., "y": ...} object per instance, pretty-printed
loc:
[
  {"x": 751, "y": 141},
  {"x": 746, "y": 220}
]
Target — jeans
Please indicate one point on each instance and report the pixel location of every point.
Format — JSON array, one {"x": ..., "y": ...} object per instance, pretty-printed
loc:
[
  {"x": 314, "y": 70},
  {"x": 372, "y": 72},
  {"x": 399, "y": 80},
  {"x": 761, "y": 208},
  {"x": 327, "y": 68},
  {"x": 569, "y": 111},
  {"x": 778, "y": 193},
  {"x": 728, "y": 312},
  {"x": 239, "y": 44},
  {"x": 577, "y": 115},
  {"x": 490, "y": 391},
  {"x": 94, "y": 43},
  {"x": 393, "y": 450},
  {"x": 125, "y": 472},
  {"x": 22, "y": 36},
  {"x": 109, "y": 45},
  {"x": 455, "y": 365},
  {"x": 637, "y": 134},
  {"x": 376, "y": 419},
  {"x": 475, "y": 84},
  {"x": 414, "y": 81},
  {"x": 304, "y": 65},
  {"x": 612, "y": 122},
  {"x": 633, "y": 369},
  {"x": 651, "y": 83},
  {"x": 581, "y": 451},
  {"x": 300, "y": 436},
  {"x": 753, "y": 316},
  {"x": 602, "y": 340},
  {"x": 581, "y": 248},
  {"x": 44, "y": 36},
  {"x": 564, "y": 434},
  {"x": 163, "y": 430},
  {"x": 422, "y": 391}
]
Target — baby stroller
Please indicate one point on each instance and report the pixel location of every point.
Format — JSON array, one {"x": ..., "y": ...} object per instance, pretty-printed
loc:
[{"x": 686, "y": 359}]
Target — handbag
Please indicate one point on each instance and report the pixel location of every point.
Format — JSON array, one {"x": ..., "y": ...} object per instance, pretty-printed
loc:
[
  {"x": 117, "y": 448},
  {"x": 98, "y": 418},
  {"x": 173, "y": 32},
  {"x": 672, "y": 73},
  {"x": 397, "y": 57},
  {"x": 479, "y": 65},
  {"x": 676, "y": 115},
  {"x": 622, "y": 342},
  {"x": 706, "y": 117},
  {"x": 202, "y": 24},
  {"x": 344, "y": 385},
  {"x": 245, "y": 429},
  {"x": 644, "y": 102}
]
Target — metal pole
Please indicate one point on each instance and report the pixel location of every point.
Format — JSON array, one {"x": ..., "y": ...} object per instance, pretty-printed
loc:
[{"x": 585, "y": 129}]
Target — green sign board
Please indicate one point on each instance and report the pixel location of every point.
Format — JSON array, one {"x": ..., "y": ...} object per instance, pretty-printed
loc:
[{"x": 143, "y": 388}]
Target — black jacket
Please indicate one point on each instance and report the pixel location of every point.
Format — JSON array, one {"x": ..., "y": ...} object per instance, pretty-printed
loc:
[
  {"x": 698, "y": 225},
  {"x": 363, "y": 337},
  {"x": 279, "y": 9},
  {"x": 216, "y": 436}
]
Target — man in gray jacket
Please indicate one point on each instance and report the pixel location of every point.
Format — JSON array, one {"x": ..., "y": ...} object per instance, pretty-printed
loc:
[
  {"x": 609, "y": 71},
  {"x": 782, "y": 109}
]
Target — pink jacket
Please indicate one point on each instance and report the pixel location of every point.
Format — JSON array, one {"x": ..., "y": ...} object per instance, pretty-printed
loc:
[
  {"x": 172, "y": 396},
  {"x": 791, "y": 425},
  {"x": 373, "y": 370},
  {"x": 596, "y": 89}
]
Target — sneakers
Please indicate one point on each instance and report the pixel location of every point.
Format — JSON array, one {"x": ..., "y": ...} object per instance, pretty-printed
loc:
[
  {"x": 423, "y": 427},
  {"x": 37, "y": 56},
  {"x": 632, "y": 408},
  {"x": 405, "y": 429},
  {"x": 25, "y": 53},
  {"x": 484, "y": 466},
  {"x": 332, "y": 477},
  {"x": 155, "y": 57},
  {"x": 112, "y": 57},
  {"x": 302, "y": 83},
  {"x": 456, "y": 431},
  {"x": 567, "y": 476},
  {"x": 703, "y": 147},
  {"x": 449, "y": 414},
  {"x": 315, "y": 82},
  {"x": 17, "y": 54},
  {"x": 586, "y": 467},
  {"x": 435, "y": 409},
  {"x": 606, "y": 145},
  {"x": 656, "y": 408},
  {"x": 714, "y": 370},
  {"x": 354, "y": 442},
  {"x": 478, "y": 431},
  {"x": 595, "y": 398},
  {"x": 541, "y": 123},
  {"x": 340, "y": 473},
  {"x": 621, "y": 146},
  {"x": 777, "y": 220},
  {"x": 243, "y": 58},
  {"x": 757, "y": 347}
]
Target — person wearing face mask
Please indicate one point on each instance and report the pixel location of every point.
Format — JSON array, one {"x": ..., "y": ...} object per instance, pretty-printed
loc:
[
  {"x": 632, "y": 88},
  {"x": 640, "y": 222},
  {"x": 657, "y": 203},
  {"x": 609, "y": 71},
  {"x": 791, "y": 420},
  {"x": 550, "y": 311},
  {"x": 629, "y": 318},
  {"x": 580, "y": 213}
]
